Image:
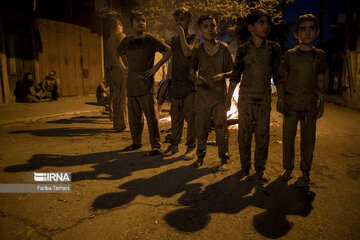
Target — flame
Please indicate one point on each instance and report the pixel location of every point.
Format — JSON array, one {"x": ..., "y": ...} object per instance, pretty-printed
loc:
[
  {"x": 233, "y": 113},
  {"x": 166, "y": 119}
]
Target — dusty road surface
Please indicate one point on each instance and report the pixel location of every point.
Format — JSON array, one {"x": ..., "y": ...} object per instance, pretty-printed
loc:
[{"x": 117, "y": 195}]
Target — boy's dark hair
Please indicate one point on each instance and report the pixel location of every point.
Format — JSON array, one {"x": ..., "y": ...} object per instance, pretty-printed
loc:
[
  {"x": 304, "y": 18},
  {"x": 205, "y": 17},
  {"x": 186, "y": 12},
  {"x": 135, "y": 14},
  {"x": 256, "y": 14}
]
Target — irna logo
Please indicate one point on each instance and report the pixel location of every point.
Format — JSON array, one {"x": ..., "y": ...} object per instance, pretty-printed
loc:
[{"x": 52, "y": 177}]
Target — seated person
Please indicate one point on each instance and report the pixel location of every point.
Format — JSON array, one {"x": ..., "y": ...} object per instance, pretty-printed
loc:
[
  {"x": 28, "y": 90},
  {"x": 103, "y": 93},
  {"x": 50, "y": 86}
]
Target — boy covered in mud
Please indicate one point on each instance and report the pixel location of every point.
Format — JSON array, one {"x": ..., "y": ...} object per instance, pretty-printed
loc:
[
  {"x": 256, "y": 62},
  {"x": 139, "y": 49},
  {"x": 212, "y": 60},
  {"x": 182, "y": 89},
  {"x": 304, "y": 69}
]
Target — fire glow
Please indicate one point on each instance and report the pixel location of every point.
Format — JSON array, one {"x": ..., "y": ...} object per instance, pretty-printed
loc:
[{"x": 231, "y": 114}]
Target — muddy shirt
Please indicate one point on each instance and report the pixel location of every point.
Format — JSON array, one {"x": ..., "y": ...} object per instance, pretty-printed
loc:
[
  {"x": 257, "y": 66},
  {"x": 302, "y": 69},
  {"x": 208, "y": 96},
  {"x": 112, "y": 44},
  {"x": 181, "y": 85},
  {"x": 50, "y": 84},
  {"x": 140, "y": 54}
]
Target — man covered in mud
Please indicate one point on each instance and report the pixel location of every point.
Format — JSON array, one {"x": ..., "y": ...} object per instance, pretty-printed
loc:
[
  {"x": 139, "y": 49},
  {"x": 212, "y": 59},
  {"x": 256, "y": 62},
  {"x": 182, "y": 89},
  {"x": 304, "y": 68},
  {"x": 50, "y": 86},
  {"x": 117, "y": 103}
]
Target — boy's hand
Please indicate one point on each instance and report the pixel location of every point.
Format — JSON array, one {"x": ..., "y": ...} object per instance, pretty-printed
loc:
[
  {"x": 218, "y": 77},
  {"x": 280, "y": 107},
  {"x": 179, "y": 29},
  {"x": 151, "y": 71},
  {"x": 201, "y": 81},
  {"x": 125, "y": 71}
]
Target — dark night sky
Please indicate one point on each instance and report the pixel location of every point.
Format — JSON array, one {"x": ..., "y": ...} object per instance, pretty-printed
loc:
[{"x": 331, "y": 10}]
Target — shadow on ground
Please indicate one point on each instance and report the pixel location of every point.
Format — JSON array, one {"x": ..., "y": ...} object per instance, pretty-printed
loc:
[
  {"x": 165, "y": 184},
  {"x": 232, "y": 196},
  {"x": 65, "y": 132},
  {"x": 83, "y": 119},
  {"x": 195, "y": 205},
  {"x": 107, "y": 165}
]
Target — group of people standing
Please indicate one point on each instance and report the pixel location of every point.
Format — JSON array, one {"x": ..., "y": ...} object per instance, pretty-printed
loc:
[{"x": 199, "y": 94}]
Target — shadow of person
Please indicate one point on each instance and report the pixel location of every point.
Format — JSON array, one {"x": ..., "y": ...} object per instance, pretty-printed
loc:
[
  {"x": 65, "y": 132},
  {"x": 106, "y": 165},
  {"x": 82, "y": 119},
  {"x": 225, "y": 196},
  {"x": 232, "y": 196},
  {"x": 165, "y": 184}
]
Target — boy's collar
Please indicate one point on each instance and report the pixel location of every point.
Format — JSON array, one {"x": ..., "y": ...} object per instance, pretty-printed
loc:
[
  {"x": 263, "y": 43},
  {"x": 142, "y": 36},
  {"x": 301, "y": 50}
]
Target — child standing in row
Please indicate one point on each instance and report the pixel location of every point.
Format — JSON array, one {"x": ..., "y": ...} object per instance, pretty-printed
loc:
[
  {"x": 256, "y": 62},
  {"x": 304, "y": 68}
]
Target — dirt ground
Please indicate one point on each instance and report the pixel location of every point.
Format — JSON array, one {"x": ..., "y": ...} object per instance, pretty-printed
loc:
[{"x": 117, "y": 195}]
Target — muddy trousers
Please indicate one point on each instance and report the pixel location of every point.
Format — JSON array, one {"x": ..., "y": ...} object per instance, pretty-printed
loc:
[
  {"x": 137, "y": 106},
  {"x": 254, "y": 119},
  {"x": 183, "y": 109},
  {"x": 203, "y": 127},
  {"x": 307, "y": 139},
  {"x": 118, "y": 100}
]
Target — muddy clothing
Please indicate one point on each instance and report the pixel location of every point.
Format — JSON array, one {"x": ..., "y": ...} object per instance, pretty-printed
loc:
[
  {"x": 183, "y": 109},
  {"x": 203, "y": 126},
  {"x": 207, "y": 96},
  {"x": 181, "y": 85},
  {"x": 117, "y": 80},
  {"x": 182, "y": 91},
  {"x": 255, "y": 66},
  {"x": 303, "y": 88},
  {"x": 138, "y": 105},
  {"x": 302, "y": 69},
  {"x": 307, "y": 138},
  {"x": 140, "y": 55},
  {"x": 50, "y": 87},
  {"x": 253, "y": 118},
  {"x": 209, "y": 99}
]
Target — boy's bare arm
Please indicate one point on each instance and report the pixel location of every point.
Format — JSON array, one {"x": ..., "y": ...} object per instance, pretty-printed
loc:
[
  {"x": 199, "y": 80},
  {"x": 154, "y": 69},
  {"x": 119, "y": 62},
  {"x": 186, "y": 47},
  {"x": 221, "y": 76},
  {"x": 169, "y": 70}
]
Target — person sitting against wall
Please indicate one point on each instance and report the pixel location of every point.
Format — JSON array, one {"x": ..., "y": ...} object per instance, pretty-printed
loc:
[
  {"x": 50, "y": 86},
  {"x": 29, "y": 91}
]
